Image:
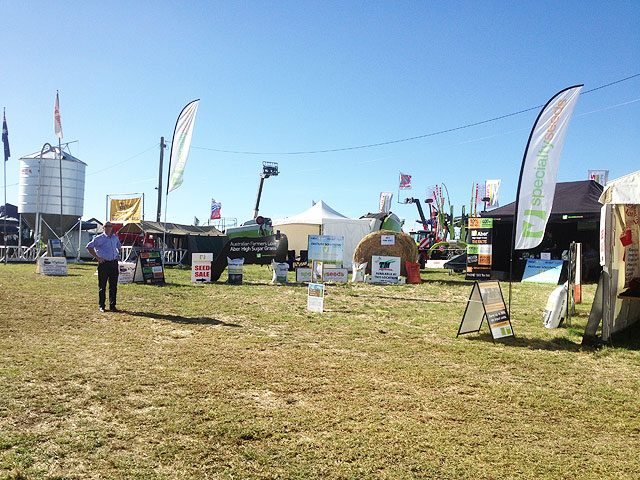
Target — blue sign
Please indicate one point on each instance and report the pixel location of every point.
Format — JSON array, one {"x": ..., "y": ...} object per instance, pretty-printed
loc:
[
  {"x": 542, "y": 271},
  {"x": 326, "y": 248}
]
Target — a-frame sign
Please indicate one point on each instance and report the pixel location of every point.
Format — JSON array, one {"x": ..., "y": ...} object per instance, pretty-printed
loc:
[{"x": 486, "y": 300}]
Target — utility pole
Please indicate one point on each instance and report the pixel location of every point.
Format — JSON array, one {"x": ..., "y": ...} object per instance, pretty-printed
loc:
[{"x": 162, "y": 147}]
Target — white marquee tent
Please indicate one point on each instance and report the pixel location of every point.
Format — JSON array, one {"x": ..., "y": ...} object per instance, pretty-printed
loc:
[
  {"x": 321, "y": 219},
  {"x": 619, "y": 217}
]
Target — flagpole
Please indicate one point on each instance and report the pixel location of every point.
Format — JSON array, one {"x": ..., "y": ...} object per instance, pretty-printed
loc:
[{"x": 4, "y": 236}]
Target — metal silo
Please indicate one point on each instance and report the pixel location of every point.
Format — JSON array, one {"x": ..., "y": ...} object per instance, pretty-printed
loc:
[{"x": 39, "y": 192}]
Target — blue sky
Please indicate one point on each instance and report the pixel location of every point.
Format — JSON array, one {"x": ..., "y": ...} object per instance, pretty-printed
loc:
[{"x": 304, "y": 76}]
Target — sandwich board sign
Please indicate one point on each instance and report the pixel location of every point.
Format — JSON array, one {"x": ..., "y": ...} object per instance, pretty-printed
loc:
[
  {"x": 201, "y": 267},
  {"x": 126, "y": 272},
  {"x": 315, "y": 297},
  {"x": 52, "y": 266},
  {"x": 149, "y": 268},
  {"x": 486, "y": 301}
]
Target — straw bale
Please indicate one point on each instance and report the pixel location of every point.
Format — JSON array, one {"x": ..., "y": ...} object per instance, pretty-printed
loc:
[{"x": 405, "y": 248}]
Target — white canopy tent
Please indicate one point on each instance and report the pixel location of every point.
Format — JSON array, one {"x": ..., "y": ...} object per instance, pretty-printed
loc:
[
  {"x": 321, "y": 219},
  {"x": 619, "y": 216}
]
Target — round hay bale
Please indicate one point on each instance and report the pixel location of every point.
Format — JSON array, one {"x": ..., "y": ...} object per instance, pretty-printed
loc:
[{"x": 404, "y": 247}]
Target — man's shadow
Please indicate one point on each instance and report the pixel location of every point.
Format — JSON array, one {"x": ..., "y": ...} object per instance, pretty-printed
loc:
[{"x": 181, "y": 319}]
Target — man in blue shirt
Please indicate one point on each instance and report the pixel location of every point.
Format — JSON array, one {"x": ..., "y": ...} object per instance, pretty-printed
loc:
[{"x": 106, "y": 249}]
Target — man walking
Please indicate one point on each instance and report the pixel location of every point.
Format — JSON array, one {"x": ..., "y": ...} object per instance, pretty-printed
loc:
[{"x": 106, "y": 249}]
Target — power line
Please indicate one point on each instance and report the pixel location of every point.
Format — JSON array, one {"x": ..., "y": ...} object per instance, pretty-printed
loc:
[{"x": 408, "y": 139}]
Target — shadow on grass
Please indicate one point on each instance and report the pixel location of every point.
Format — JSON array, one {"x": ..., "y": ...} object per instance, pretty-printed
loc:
[
  {"x": 181, "y": 319},
  {"x": 405, "y": 299},
  {"x": 557, "y": 343}
]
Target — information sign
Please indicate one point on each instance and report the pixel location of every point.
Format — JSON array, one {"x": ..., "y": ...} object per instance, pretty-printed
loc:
[
  {"x": 336, "y": 275},
  {"x": 126, "y": 272},
  {"x": 479, "y": 249},
  {"x": 201, "y": 267},
  {"x": 55, "y": 247},
  {"x": 385, "y": 269},
  {"x": 52, "y": 266},
  {"x": 486, "y": 301},
  {"x": 315, "y": 297},
  {"x": 303, "y": 275},
  {"x": 542, "y": 271},
  {"x": 149, "y": 268},
  {"x": 387, "y": 239},
  {"x": 326, "y": 248}
]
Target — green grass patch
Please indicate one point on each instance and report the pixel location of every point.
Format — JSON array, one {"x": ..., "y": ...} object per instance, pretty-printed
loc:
[{"x": 225, "y": 381}]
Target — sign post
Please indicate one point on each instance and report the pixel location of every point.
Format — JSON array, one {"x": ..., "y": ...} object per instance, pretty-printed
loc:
[
  {"x": 486, "y": 301},
  {"x": 149, "y": 268},
  {"x": 201, "y": 267}
]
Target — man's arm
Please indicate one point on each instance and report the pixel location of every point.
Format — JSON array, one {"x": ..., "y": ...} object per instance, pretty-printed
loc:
[{"x": 92, "y": 252}]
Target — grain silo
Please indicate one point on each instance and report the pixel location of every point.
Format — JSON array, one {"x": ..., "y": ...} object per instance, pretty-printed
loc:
[{"x": 39, "y": 193}]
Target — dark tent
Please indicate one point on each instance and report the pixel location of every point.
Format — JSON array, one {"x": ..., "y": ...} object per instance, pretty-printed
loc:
[{"x": 575, "y": 217}]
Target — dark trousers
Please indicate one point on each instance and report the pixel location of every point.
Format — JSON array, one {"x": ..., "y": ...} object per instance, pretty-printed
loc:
[{"x": 108, "y": 271}]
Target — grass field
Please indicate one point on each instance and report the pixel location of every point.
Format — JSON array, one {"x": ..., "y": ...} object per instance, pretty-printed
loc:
[{"x": 232, "y": 382}]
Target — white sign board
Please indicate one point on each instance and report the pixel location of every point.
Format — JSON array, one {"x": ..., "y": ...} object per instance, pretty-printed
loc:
[
  {"x": 201, "y": 267},
  {"x": 326, "y": 248},
  {"x": 315, "y": 297},
  {"x": 387, "y": 240},
  {"x": 52, "y": 266},
  {"x": 126, "y": 271},
  {"x": 385, "y": 269},
  {"x": 336, "y": 275},
  {"x": 303, "y": 274}
]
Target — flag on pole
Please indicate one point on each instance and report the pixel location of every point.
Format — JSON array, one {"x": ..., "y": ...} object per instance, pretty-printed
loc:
[
  {"x": 491, "y": 188},
  {"x": 216, "y": 210},
  {"x": 196, "y": 221},
  {"x": 405, "y": 181},
  {"x": 5, "y": 137},
  {"x": 57, "y": 126},
  {"x": 539, "y": 171},
  {"x": 385, "y": 202},
  {"x": 600, "y": 176},
  {"x": 180, "y": 145}
]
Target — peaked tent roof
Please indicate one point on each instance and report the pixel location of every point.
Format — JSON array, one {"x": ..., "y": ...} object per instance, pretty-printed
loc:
[
  {"x": 171, "y": 228},
  {"x": 622, "y": 190},
  {"x": 570, "y": 198},
  {"x": 315, "y": 215}
]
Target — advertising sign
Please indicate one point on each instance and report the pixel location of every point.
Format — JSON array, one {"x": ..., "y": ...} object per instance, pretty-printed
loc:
[
  {"x": 126, "y": 210},
  {"x": 315, "y": 297},
  {"x": 303, "y": 275},
  {"x": 600, "y": 176},
  {"x": 336, "y": 275},
  {"x": 55, "y": 247},
  {"x": 149, "y": 268},
  {"x": 201, "y": 267},
  {"x": 479, "y": 249},
  {"x": 542, "y": 271},
  {"x": 126, "y": 271},
  {"x": 387, "y": 239},
  {"x": 52, "y": 266},
  {"x": 326, "y": 248},
  {"x": 385, "y": 269},
  {"x": 486, "y": 301}
]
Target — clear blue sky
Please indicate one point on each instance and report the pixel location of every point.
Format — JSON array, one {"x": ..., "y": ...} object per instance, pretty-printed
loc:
[{"x": 307, "y": 75}]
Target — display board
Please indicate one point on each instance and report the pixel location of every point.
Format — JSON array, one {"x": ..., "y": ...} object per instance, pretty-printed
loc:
[
  {"x": 255, "y": 251},
  {"x": 385, "y": 269},
  {"x": 486, "y": 301},
  {"x": 303, "y": 275},
  {"x": 326, "y": 249},
  {"x": 542, "y": 271},
  {"x": 335, "y": 275},
  {"x": 149, "y": 268},
  {"x": 55, "y": 247},
  {"x": 52, "y": 266},
  {"x": 201, "y": 267},
  {"x": 315, "y": 297},
  {"x": 479, "y": 249},
  {"x": 126, "y": 272}
]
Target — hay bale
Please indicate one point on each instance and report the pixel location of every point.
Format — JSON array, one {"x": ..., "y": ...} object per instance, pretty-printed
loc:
[{"x": 405, "y": 248}]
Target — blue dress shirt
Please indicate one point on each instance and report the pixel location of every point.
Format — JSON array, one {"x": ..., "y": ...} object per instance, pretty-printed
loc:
[{"x": 106, "y": 247}]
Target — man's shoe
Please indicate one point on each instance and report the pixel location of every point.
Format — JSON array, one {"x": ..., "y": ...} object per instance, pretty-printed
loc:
[
  {"x": 113, "y": 309},
  {"x": 102, "y": 310}
]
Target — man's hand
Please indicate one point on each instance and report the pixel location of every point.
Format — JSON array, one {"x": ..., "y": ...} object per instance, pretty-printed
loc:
[{"x": 100, "y": 259}]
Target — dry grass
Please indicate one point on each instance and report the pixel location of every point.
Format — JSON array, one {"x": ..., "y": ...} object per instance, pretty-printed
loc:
[{"x": 223, "y": 381}]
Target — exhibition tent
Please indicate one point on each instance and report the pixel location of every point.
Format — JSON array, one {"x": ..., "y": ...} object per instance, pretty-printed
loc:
[
  {"x": 617, "y": 301},
  {"x": 321, "y": 219}
]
